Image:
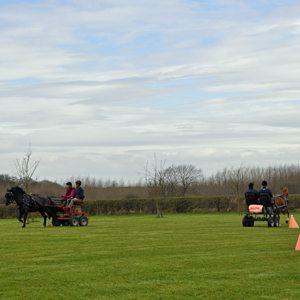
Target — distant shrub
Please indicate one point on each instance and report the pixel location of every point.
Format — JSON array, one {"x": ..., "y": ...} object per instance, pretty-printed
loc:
[
  {"x": 148, "y": 205},
  {"x": 173, "y": 205},
  {"x": 8, "y": 212},
  {"x": 132, "y": 196}
]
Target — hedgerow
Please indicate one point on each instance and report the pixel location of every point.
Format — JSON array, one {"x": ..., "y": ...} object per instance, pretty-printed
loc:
[{"x": 168, "y": 205}]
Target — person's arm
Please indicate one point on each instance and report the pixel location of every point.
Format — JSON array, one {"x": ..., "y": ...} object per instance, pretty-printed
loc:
[
  {"x": 72, "y": 194},
  {"x": 65, "y": 195},
  {"x": 81, "y": 194}
]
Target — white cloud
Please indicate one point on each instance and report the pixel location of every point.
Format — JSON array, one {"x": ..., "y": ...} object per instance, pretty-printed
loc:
[{"x": 98, "y": 87}]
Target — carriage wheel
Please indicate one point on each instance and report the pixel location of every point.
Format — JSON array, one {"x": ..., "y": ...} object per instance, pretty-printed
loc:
[
  {"x": 74, "y": 221},
  {"x": 276, "y": 222},
  {"x": 56, "y": 222},
  {"x": 271, "y": 222},
  {"x": 245, "y": 222},
  {"x": 251, "y": 223},
  {"x": 83, "y": 221},
  {"x": 65, "y": 223}
]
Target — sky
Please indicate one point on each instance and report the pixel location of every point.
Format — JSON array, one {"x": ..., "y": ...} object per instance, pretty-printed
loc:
[{"x": 98, "y": 87}]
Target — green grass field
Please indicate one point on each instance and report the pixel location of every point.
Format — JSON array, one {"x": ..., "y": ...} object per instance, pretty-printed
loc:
[{"x": 182, "y": 256}]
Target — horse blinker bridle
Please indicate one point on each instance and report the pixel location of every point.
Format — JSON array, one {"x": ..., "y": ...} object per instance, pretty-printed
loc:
[{"x": 9, "y": 197}]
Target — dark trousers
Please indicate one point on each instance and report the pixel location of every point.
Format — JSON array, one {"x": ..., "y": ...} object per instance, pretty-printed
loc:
[{"x": 64, "y": 201}]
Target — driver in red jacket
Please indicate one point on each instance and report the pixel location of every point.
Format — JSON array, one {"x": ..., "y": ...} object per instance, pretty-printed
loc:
[{"x": 69, "y": 194}]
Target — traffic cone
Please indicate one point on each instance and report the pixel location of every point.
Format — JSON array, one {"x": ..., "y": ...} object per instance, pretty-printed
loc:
[
  {"x": 293, "y": 223},
  {"x": 298, "y": 244}
]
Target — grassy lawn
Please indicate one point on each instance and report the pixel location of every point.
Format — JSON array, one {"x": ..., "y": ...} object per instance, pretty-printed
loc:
[{"x": 182, "y": 256}]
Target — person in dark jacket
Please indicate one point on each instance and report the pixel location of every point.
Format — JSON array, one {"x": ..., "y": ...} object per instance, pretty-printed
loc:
[
  {"x": 69, "y": 194},
  {"x": 265, "y": 189},
  {"x": 78, "y": 195},
  {"x": 252, "y": 190}
]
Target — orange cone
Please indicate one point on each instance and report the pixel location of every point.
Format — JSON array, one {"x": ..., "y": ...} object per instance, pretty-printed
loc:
[
  {"x": 298, "y": 244},
  {"x": 293, "y": 223}
]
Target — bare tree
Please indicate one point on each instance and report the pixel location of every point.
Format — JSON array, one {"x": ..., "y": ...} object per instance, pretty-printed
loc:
[
  {"x": 188, "y": 176},
  {"x": 24, "y": 171},
  {"x": 174, "y": 181},
  {"x": 154, "y": 182},
  {"x": 170, "y": 182},
  {"x": 237, "y": 179}
]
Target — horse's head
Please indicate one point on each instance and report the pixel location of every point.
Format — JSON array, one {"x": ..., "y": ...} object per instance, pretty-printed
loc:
[
  {"x": 285, "y": 191},
  {"x": 9, "y": 196},
  {"x": 16, "y": 192}
]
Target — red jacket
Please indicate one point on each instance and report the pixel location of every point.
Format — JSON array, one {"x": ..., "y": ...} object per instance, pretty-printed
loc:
[{"x": 69, "y": 193}]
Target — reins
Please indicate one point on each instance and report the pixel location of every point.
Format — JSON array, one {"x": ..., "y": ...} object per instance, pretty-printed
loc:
[{"x": 285, "y": 206}]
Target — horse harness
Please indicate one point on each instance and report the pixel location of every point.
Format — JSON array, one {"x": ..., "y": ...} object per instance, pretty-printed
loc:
[
  {"x": 285, "y": 199},
  {"x": 32, "y": 201}
]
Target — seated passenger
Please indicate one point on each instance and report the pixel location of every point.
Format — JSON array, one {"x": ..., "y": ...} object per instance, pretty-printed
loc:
[
  {"x": 69, "y": 194},
  {"x": 252, "y": 190},
  {"x": 78, "y": 195},
  {"x": 265, "y": 189}
]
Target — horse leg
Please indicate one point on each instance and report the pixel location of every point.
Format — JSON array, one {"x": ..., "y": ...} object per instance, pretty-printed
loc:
[
  {"x": 25, "y": 217},
  {"x": 44, "y": 216},
  {"x": 288, "y": 218},
  {"x": 49, "y": 217},
  {"x": 20, "y": 216},
  {"x": 52, "y": 214}
]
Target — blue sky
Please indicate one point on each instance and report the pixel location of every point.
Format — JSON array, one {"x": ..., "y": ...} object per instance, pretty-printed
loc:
[{"x": 107, "y": 84}]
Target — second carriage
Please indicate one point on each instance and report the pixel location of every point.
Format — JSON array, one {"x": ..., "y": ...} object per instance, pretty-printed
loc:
[{"x": 262, "y": 209}]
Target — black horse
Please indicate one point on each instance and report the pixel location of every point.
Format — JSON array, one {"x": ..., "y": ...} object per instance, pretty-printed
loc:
[{"x": 31, "y": 203}]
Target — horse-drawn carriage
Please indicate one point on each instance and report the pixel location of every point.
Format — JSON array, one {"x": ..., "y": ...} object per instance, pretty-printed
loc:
[
  {"x": 262, "y": 209},
  {"x": 74, "y": 217},
  {"x": 49, "y": 208}
]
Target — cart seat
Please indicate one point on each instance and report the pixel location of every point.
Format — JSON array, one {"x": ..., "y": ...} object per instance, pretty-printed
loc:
[
  {"x": 250, "y": 199},
  {"x": 265, "y": 200},
  {"x": 79, "y": 201}
]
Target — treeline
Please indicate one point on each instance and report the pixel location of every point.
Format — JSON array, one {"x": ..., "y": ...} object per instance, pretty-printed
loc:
[
  {"x": 234, "y": 181},
  {"x": 174, "y": 181}
]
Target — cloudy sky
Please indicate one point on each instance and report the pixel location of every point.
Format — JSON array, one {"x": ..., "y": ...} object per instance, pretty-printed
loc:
[{"x": 98, "y": 87}]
